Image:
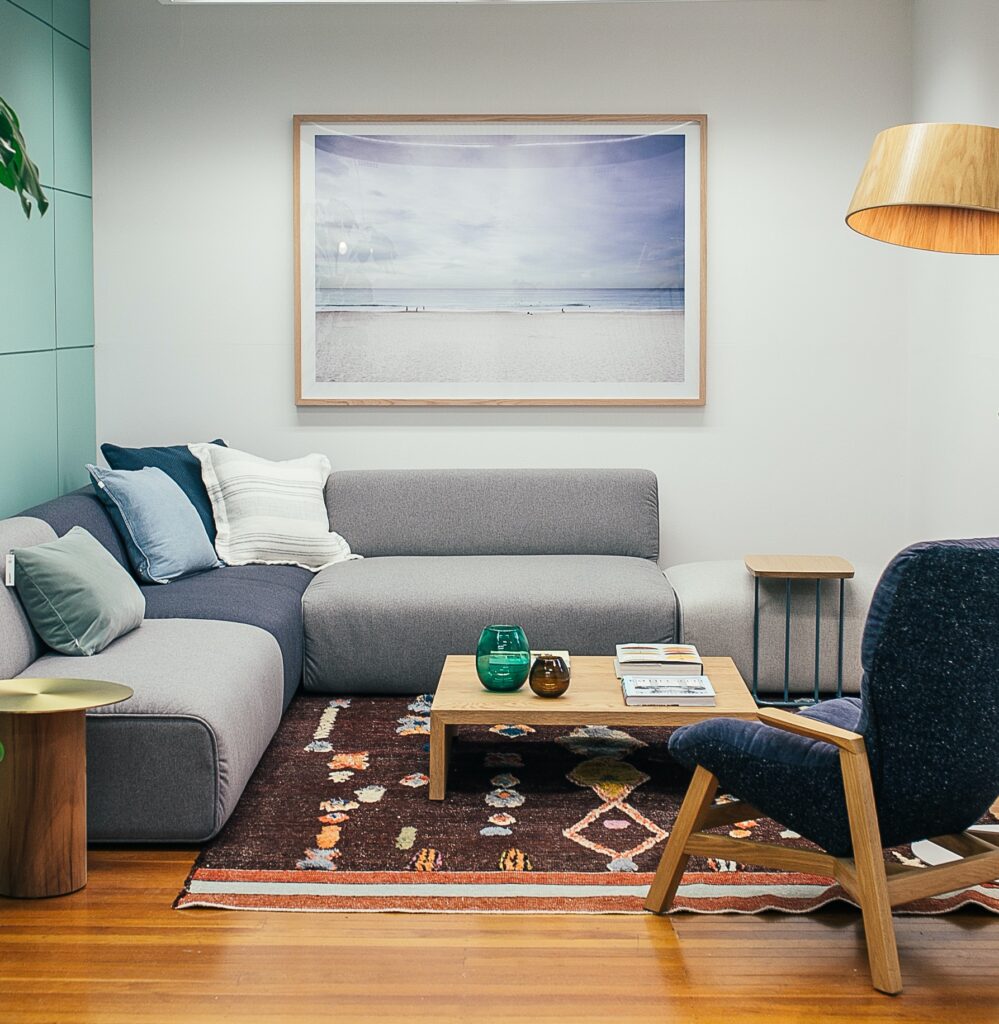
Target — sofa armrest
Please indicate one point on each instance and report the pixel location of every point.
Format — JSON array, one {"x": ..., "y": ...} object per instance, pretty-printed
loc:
[{"x": 714, "y": 603}]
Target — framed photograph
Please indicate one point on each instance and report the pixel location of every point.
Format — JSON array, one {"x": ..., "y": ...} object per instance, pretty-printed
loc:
[{"x": 494, "y": 260}]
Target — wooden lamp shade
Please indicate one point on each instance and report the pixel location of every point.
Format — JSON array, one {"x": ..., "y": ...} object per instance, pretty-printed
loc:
[{"x": 931, "y": 186}]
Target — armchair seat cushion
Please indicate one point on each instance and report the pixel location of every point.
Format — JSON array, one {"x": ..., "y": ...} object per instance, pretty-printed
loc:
[{"x": 792, "y": 779}]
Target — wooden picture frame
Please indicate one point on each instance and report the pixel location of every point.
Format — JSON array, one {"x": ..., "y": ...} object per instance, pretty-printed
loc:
[{"x": 500, "y": 259}]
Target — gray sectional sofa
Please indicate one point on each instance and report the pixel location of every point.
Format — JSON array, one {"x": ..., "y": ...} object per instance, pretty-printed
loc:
[{"x": 571, "y": 555}]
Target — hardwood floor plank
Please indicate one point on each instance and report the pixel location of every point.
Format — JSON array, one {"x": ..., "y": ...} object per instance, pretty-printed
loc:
[{"x": 116, "y": 953}]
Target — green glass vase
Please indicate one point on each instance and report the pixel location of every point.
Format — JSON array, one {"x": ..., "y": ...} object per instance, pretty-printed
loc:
[{"x": 503, "y": 658}]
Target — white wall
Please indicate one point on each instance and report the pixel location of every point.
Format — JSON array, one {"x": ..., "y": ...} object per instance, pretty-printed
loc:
[
  {"x": 803, "y": 440},
  {"x": 954, "y": 304}
]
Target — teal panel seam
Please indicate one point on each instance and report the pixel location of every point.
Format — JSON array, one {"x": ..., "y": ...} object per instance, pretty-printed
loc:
[
  {"x": 47, "y": 24},
  {"x": 55, "y": 288}
]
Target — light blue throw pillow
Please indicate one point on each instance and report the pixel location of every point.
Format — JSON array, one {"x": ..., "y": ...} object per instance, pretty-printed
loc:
[{"x": 163, "y": 533}]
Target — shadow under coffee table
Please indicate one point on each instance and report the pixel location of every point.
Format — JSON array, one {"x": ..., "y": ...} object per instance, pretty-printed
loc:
[{"x": 594, "y": 698}]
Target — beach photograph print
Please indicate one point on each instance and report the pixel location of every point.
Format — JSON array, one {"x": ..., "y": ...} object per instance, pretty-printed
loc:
[{"x": 500, "y": 261}]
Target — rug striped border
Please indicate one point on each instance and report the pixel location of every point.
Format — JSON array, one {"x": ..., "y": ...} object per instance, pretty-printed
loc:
[{"x": 740, "y": 892}]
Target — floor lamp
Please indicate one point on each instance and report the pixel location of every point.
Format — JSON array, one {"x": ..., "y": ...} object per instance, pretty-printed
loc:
[{"x": 931, "y": 186}]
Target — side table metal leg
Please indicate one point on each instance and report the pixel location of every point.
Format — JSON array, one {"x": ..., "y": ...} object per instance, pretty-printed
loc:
[
  {"x": 756, "y": 638},
  {"x": 839, "y": 663},
  {"x": 787, "y": 641},
  {"x": 818, "y": 627}
]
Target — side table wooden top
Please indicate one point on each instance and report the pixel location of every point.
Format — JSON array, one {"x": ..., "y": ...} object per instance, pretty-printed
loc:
[
  {"x": 50, "y": 696},
  {"x": 800, "y": 567}
]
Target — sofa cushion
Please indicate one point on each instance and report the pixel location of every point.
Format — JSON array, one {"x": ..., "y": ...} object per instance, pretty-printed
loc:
[
  {"x": 19, "y": 643},
  {"x": 82, "y": 508},
  {"x": 170, "y": 763},
  {"x": 385, "y": 625},
  {"x": 268, "y": 596},
  {"x": 496, "y": 511}
]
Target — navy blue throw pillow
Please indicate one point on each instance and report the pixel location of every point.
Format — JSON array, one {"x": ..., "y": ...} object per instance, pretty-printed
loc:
[{"x": 178, "y": 463}]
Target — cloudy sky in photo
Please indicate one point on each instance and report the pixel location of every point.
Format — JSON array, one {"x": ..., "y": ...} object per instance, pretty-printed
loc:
[{"x": 514, "y": 211}]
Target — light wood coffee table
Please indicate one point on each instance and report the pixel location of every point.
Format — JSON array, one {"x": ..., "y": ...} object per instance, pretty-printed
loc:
[{"x": 594, "y": 698}]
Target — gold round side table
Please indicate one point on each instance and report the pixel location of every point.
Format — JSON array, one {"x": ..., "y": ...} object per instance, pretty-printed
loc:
[{"x": 43, "y": 782}]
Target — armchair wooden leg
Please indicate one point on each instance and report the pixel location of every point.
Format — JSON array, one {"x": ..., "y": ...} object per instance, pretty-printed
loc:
[
  {"x": 696, "y": 803},
  {"x": 872, "y": 881}
]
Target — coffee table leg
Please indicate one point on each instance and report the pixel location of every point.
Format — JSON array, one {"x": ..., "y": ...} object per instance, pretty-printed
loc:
[
  {"x": 43, "y": 804},
  {"x": 440, "y": 752}
]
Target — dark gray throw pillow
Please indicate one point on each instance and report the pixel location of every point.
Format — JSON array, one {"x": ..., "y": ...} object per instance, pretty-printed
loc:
[{"x": 76, "y": 594}]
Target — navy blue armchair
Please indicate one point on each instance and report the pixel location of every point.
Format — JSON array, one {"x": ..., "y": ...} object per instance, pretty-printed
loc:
[{"x": 916, "y": 757}]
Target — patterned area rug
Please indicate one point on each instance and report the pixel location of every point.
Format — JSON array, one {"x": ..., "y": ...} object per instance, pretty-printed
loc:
[{"x": 337, "y": 818}]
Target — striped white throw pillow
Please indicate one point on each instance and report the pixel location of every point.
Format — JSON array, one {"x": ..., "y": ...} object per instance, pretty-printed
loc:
[{"x": 270, "y": 513}]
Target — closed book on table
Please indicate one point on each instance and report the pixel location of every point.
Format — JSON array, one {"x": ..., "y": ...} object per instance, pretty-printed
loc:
[{"x": 693, "y": 691}]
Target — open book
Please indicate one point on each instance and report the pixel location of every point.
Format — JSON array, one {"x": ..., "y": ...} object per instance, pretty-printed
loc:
[{"x": 658, "y": 660}]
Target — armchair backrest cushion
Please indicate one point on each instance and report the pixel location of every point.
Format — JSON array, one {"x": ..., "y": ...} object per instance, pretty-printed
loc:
[
  {"x": 930, "y": 714},
  {"x": 496, "y": 511}
]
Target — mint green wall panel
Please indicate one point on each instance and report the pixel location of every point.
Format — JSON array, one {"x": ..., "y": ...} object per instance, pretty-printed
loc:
[
  {"x": 73, "y": 18},
  {"x": 74, "y": 270},
  {"x": 27, "y": 278},
  {"x": 41, "y": 8},
  {"x": 47, "y": 422},
  {"x": 77, "y": 421},
  {"x": 71, "y": 85},
  {"x": 26, "y": 81},
  {"x": 28, "y": 448}
]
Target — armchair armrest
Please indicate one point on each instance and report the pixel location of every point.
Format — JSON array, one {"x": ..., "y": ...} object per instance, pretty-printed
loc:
[{"x": 851, "y": 742}]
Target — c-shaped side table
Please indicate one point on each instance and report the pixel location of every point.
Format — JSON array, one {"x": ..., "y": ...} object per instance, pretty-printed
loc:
[
  {"x": 788, "y": 568},
  {"x": 43, "y": 782}
]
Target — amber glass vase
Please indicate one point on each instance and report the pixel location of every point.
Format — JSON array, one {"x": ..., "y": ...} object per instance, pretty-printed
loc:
[{"x": 549, "y": 676}]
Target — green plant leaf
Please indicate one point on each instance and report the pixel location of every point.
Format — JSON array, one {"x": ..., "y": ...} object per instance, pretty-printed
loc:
[{"x": 17, "y": 172}]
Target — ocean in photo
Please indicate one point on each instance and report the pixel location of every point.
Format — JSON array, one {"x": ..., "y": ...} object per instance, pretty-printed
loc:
[{"x": 569, "y": 300}]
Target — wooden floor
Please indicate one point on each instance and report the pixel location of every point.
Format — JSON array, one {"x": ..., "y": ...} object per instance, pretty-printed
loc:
[{"x": 116, "y": 952}]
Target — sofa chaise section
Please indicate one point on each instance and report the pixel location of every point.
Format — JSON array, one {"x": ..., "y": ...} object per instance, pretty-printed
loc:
[{"x": 170, "y": 763}]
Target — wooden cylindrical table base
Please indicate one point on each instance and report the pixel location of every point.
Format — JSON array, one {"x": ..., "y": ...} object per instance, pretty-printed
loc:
[{"x": 43, "y": 804}]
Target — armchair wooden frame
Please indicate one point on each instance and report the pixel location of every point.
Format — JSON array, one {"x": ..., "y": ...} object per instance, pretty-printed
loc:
[{"x": 876, "y": 885}]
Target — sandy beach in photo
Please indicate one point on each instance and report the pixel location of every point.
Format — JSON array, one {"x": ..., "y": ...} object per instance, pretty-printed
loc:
[{"x": 500, "y": 346}]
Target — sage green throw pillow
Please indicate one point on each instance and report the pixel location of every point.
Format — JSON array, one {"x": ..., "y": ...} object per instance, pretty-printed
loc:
[{"x": 76, "y": 594}]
